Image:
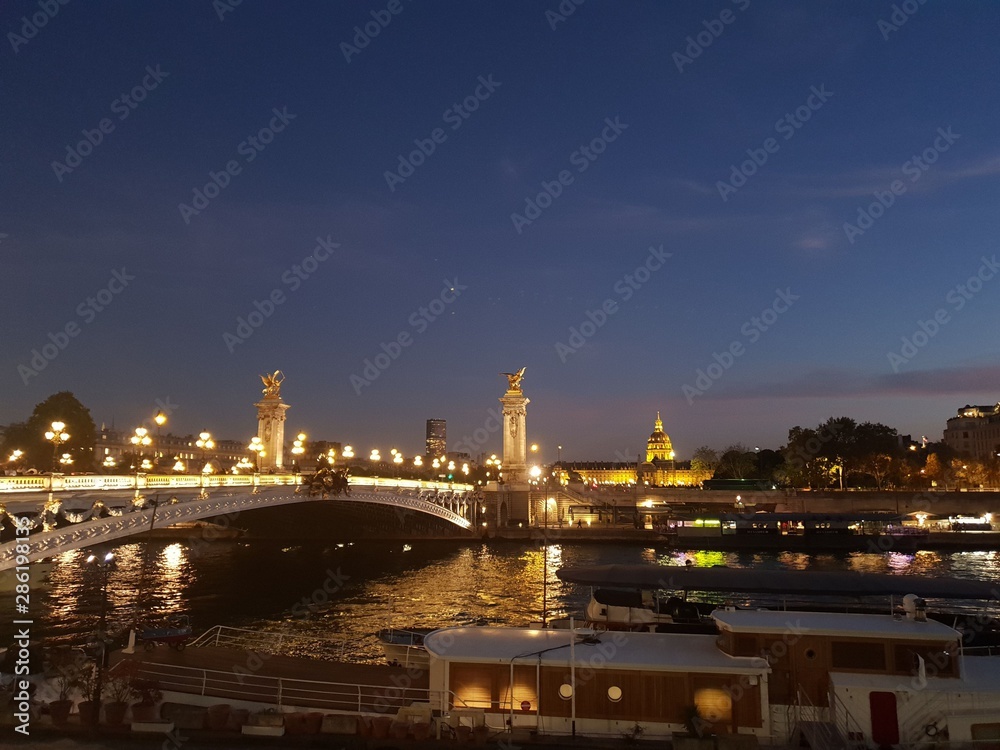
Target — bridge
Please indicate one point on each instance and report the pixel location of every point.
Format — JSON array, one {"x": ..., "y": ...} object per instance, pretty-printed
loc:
[{"x": 103, "y": 508}]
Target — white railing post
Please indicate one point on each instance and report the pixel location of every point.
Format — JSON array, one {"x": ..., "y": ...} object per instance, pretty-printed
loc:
[
  {"x": 279, "y": 692},
  {"x": 204, "y": 680}
]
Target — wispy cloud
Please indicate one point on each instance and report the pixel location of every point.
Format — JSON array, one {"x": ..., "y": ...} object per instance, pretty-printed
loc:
[{"x": 836, "y": 382}]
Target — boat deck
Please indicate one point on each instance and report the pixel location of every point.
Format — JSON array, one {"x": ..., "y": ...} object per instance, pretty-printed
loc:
[{"x": 237, "y": 674}]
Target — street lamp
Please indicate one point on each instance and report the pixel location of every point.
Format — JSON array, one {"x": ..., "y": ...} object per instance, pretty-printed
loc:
[
  {"x": 206, "y": 444},
  {"x": 298, "y": 448},
  {"x": 104, "y": 565},
  {"x": 15, "y": 456},
  {"x": 257, "y": 447},
  {"x": 57, "y": 436},
  {"x": 139, "y": 439},
  {"x": 348, "y": 452},
  {"x": 65, "y": 460},
  {"x": 160, "y": 419}
]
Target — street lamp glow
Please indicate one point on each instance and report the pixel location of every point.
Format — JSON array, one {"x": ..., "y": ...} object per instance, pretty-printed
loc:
[
  {"x": 418, "y": 461},
  {"x": 179, "y": 465},
  {"x": 535, "y": 472},
  {"x": 160, "y": 419},
  {"x": 375, "y": 455},
  {"x": 348, "y": 452},
  {"x": 57, "y": 436},
  {"x": 534, "y": 447},
  {"x": 257, "y": 447}
]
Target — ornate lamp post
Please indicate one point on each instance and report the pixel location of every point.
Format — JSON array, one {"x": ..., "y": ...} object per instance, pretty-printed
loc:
[
  {"x": 206, "y": 444},
  {"x": 257, "y": 448},
  {"x": 65, "y": 460},
  {"x": 105, "y": 566},
  {"x": 140, "y": 439},
  {"x": 57, "y": 436},
  {"x": 298, "y": 448},
  {"x": 15, "y": 456}
]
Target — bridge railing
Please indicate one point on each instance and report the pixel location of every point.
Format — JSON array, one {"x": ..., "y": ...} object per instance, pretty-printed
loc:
[{"x": 82, "y": 482}]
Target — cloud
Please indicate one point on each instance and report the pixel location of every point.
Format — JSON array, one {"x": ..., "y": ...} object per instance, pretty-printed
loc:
[{"x": 835, "y": 382}]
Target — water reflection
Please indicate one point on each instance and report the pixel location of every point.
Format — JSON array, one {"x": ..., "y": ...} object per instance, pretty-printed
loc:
[{"x": 349, "y": 592}]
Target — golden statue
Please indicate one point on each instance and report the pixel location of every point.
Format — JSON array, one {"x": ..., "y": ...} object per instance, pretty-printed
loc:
[
  {"x": 514, "y": 379},
  {"x": 272, "y": 383}
]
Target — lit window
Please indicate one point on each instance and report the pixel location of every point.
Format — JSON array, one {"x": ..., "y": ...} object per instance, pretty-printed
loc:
[
  {"x": 565, "y": 691},
  {"x": 614, "y": 693},
  {"x": 714, "y": 704}
]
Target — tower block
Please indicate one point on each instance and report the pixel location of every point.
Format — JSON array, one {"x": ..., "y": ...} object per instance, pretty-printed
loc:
[{"x": 271, "y": 423}]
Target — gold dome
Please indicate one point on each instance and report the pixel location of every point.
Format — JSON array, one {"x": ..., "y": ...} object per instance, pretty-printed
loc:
[{"x": 659, "y": 447}]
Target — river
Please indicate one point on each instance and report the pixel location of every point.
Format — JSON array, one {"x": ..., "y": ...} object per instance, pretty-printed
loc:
[{"x": 345, "y": 593}]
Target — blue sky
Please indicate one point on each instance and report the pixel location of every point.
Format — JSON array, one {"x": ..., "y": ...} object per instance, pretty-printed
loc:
[{"x": 818, "y": 108}]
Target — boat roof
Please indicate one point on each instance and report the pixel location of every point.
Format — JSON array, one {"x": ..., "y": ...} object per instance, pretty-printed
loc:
[
  {"x": 668, "y": 652},
  {"x": 979, "y": 675},
  {"x": 831, "y": 623},
  {"x": 778, "y": 582}
]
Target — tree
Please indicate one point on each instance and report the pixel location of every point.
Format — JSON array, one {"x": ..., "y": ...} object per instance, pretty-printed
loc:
[
  {"x": 704, "y": 460},
  {"x": 29, "y": 436},
  {"x": 737, "y": 462}
]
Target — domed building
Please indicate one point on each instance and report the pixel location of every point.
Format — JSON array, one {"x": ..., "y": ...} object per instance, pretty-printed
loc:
[
  {"x": 658, "y": 470},
  {"x": 658, "y": 447}
]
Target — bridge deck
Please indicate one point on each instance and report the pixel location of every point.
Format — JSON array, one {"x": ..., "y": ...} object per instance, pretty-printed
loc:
[{"x": 237, "y": 674}]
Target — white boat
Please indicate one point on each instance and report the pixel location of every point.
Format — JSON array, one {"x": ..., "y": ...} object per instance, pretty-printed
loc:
[
  {"x": 770, "y": 677},
  {"x": 405, "y": 647}
]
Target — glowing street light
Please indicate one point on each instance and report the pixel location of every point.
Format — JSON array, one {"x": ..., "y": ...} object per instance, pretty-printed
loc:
[
  {"x": 348, "y": 452},
  {"x": 65, "y": 459},
  {"x": 418, "y": 461},
  {"x": 179, "y": 465},
  {"x": 57, "y": 436},
  {"x": 298, "y": 448},
  {"x": 206, "y": 444},
  {"x": 397, "y": 458},
  {"x": 140, "y": 439},
  {"x": 109, "y": 462},
  {"x": 257, "y": 448},
  {"x": 375, "y": 455}
]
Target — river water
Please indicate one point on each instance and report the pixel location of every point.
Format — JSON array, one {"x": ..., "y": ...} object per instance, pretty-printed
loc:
[{"x": 345, "y": 593}]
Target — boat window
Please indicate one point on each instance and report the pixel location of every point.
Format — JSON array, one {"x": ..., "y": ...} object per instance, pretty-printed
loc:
[
  {"x": 810, "y": 653},
  {"x": 857, "y": 655},
  {"x": 614, "y": 693},
  {"x": 565, "y": 691}
]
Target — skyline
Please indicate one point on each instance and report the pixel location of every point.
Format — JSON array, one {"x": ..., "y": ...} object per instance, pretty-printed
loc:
[{"x": 745, "y": 217}]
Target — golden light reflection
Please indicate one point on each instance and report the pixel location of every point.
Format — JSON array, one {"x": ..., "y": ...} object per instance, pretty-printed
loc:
[{"x": 174, "y": 556}]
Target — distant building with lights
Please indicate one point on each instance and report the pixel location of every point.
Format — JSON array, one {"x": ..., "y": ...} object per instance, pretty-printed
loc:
[
  {"x": 165, "y": 450},
  {"x": 660, "y": 469},
  {"x": 437, "y": 437},
  {"x": 975, "y": 431}
]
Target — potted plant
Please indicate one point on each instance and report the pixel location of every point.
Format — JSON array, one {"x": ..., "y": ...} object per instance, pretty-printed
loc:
[
  {"x": 149, "y": 695},
  {"x": 119, "y": 689},
  {"x": 90, "y": 706},
  {"x": 60, "y": 709}
]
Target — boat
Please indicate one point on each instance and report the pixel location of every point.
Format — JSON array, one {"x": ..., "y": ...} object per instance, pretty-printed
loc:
[
  {"x": 405, "y": 647},
  {"x": 818, "y": 679},
  {"x": 627, "y": 597}
]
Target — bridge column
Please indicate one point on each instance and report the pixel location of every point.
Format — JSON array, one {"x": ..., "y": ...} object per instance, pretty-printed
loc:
[{"x": 271, "y": 424}]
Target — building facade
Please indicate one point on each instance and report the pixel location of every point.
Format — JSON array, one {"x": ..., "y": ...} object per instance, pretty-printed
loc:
[
  {"x": 975, "y": 431},
  {"x": 164, "y": 451}
]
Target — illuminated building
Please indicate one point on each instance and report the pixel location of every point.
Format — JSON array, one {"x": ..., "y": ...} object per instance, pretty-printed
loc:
[
  {"x": 437, "y": 437},
  {"x": 660, "y": 469},
  {"x": 975, "y": 432}
]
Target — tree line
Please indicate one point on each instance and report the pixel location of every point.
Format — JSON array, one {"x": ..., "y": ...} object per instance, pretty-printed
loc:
[{"x": 841, "y": 453}]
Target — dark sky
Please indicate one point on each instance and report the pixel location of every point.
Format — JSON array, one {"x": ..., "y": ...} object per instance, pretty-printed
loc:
[{"x": 698, "y": 165}]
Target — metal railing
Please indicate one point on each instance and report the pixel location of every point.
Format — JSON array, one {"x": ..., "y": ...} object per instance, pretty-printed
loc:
[{"x": 261, "y": 640}]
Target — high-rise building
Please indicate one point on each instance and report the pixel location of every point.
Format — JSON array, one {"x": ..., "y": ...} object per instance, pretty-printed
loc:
[{"x": 437, "y": 437}]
